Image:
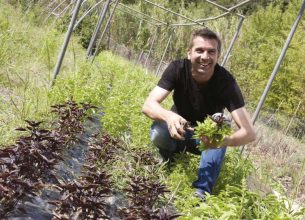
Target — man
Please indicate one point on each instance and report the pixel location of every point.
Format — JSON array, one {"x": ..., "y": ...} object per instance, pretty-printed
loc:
[{"x": 201, "y": 87}]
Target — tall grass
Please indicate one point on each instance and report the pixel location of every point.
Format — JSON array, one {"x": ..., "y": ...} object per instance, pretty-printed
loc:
[
  {"x": 27, "y": 56},
  {"x": 118, "y": 88},
  {"x": 280, "y": 161}
]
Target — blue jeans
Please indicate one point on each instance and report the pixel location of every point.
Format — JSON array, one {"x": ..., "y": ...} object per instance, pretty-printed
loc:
[{"x": 210, "y": 160}]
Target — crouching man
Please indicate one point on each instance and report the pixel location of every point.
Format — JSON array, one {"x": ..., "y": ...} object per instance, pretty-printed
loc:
[{"x": 201, "y": 87}]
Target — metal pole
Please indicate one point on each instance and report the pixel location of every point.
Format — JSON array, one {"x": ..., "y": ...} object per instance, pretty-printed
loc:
[
  {"x": 53, "y": 11},
  {"x": 64, "y": 11},
  {"x": 151, "y": 46},
  {"x": 86, "y": 13},
  {"x": 213, "y": 18},
  {"x": 145, "y": 15},
  {"x": 30, "y": 6},
  {"x": 134, "y": 15},
  {"x": 66, "y": 41},
  {"x": 201, "y": 20},
  {"x": 105, "y": 29},
  {"x": 239, "y": 4},
  {"x": 139, "y": 58},
  {"x": 175, "y": 13},
  {"x": 165, "y": 50},
  {"x": 48, "y": 7},
  {"x": 279, "y": 61},
  {"x": 225, "y": 59},
  {"x": 97, "y": 28},
  {"x": 277, "y": 66},
  {"x": 108, "y": 33},
  {"x": 224, "y": 8},
  {"x": 51, "y": 3}
]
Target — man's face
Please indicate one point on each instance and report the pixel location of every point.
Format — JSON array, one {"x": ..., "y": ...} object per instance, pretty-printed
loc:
[{"x": 204, "y": 56}]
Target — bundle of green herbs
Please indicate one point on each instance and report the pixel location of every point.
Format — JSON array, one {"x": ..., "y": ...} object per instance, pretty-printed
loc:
[{"x": 215, "y": 128}]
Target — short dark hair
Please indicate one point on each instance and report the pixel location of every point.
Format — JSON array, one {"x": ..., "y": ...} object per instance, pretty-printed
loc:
[{"x": 205, "y": 33}]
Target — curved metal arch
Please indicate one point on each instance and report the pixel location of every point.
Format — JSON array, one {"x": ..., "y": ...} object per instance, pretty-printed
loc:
[
  {"x": 145, "y": 15},
  {"x": 87, "y": 13},
  {"x": 172, "y": 12}
]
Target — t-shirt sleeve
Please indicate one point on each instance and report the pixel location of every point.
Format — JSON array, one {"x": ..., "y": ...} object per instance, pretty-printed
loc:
[
  {"x": 233, "y": 96},
  {"x": 168, "y": 78}
]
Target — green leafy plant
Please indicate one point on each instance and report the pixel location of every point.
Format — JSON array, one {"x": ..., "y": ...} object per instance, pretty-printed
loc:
[
  {"x": 119, "y": 88},
  {"x": 214, "y": 130}
]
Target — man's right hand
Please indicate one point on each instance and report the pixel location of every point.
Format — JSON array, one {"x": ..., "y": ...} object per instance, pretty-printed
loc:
[
  {"x": 152, "y": 108},
  {"x": 177, "y": 125}
]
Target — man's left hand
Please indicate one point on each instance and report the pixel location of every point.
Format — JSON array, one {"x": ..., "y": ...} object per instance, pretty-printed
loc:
[{"x": 210, "y": 144}]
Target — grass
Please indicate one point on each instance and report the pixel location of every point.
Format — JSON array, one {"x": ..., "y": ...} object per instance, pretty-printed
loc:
[
  {"x": 281, "y": 159},
  {"x": 27, "y": 56},
  {"x": 119, "y": 88}
]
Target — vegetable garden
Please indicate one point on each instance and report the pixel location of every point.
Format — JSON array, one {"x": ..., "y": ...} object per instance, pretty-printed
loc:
[{"x": 81, "y": 149}]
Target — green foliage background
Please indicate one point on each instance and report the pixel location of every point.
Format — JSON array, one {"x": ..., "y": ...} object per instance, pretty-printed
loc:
[
  {"x": 257, "y": 51},
  {"x": 254, "y": 55},
  {"x": 118, "y": 88}
]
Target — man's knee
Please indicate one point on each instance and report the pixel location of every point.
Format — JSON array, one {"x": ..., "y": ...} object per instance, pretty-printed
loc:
[
  {"x": 156, "y": 137},
  {"x": 160, "y": 136}
]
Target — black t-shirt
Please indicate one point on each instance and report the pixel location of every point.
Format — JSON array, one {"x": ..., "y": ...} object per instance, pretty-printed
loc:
[{"x": 194, "y": 103}]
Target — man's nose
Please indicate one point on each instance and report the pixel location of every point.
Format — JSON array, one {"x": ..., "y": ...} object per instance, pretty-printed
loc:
[{"x": 205, "y": 55}]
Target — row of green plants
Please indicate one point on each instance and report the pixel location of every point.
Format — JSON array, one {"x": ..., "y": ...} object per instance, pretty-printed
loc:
[
  {"x": 127, "y": 87},
  {"x": 28, "y": 170},
  {"x": 119, "y": 88}
]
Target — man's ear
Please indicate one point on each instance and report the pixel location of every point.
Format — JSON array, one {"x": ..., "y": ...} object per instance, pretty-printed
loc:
[{"x": 189, "y": 54}]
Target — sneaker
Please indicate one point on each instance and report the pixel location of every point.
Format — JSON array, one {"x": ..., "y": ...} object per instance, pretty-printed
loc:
[{"x": 200, "y": 195}]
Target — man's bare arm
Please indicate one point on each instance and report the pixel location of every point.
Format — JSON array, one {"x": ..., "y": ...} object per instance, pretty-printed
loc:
[
  {"x": 245, "y": 132},
  {"x": 153, "y": 109}
]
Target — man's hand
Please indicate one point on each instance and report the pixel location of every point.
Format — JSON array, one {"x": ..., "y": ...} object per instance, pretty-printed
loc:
[
  {"x": 177, "y": 125},
  {"x": 210, "y": 144}
]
